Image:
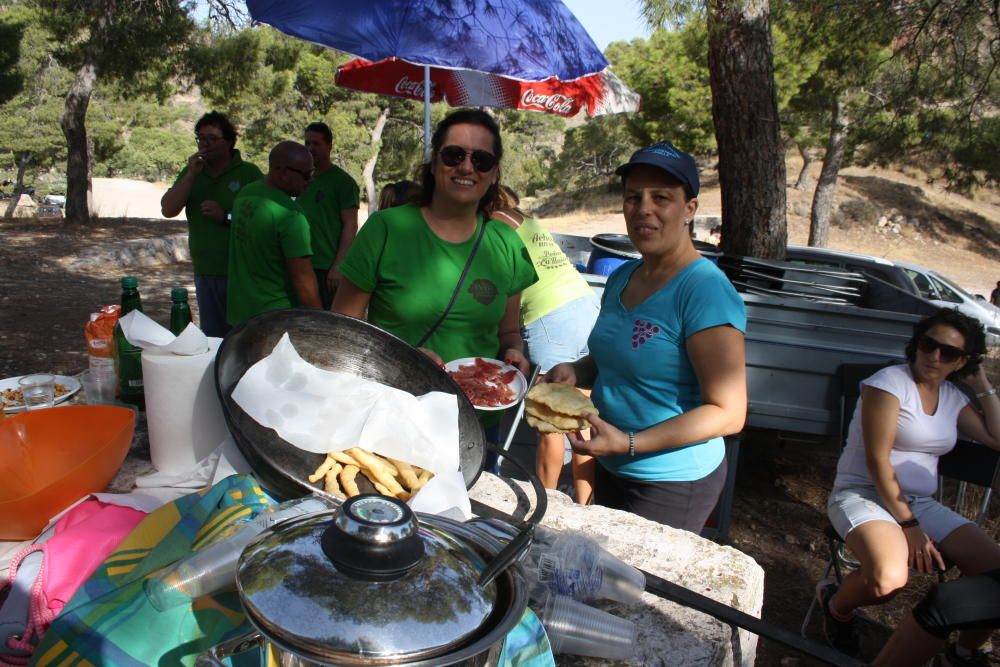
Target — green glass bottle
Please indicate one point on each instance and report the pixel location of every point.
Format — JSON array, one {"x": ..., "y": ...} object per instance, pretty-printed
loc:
[
  {"x": 180, "y": 311},
  {"x": 128, "y": 357}
]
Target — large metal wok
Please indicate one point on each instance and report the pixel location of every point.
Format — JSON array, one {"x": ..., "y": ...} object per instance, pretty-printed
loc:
[{"x": 334, "y": 342}]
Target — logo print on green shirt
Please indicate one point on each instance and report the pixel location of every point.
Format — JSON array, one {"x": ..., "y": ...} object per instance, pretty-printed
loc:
[
  {"x": 483, "y": 291},
  {"x": 234, "y": 186}
]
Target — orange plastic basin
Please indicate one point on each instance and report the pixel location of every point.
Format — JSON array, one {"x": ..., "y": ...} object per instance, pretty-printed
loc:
[{"x": 51, "y": 458}]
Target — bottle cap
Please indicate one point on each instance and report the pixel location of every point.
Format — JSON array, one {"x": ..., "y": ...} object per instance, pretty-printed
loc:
[
  {"x": 130, "y": 282},
  {"x": 179, "y": 294}
]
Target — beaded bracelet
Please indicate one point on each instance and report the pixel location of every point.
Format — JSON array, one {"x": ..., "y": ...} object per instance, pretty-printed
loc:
[
  {"x": 631, "y": 443},
  {"x": 992, "y": 391}
]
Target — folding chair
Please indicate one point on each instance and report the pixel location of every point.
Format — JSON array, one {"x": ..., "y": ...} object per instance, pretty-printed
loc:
[{"x": 968, "y": 463}]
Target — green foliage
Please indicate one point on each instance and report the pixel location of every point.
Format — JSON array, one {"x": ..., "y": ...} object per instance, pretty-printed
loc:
[
  {"x": 29, "y": 120},
  {"x": 136, "y": 42},
  {"x": 138, "y": 138},
  {"x": 531, "y": 143},
  {"x": 670, "y": 73},
  {"x": 592, "y": 152},
  {"x": 11, "y": 79},
  {"x": 935, "y": 98}
]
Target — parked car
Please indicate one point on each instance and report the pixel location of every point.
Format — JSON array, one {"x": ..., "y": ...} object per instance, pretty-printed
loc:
[
  {"x": 912, "y": 278},
  {"x": 940, "y": 290}
]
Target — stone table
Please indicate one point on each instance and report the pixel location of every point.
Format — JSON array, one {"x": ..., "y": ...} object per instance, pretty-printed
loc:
[{"x": 668, "y": 633}]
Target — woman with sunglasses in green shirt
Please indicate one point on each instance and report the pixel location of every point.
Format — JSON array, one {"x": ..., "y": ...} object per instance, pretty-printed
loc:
[{"x": 436, "y": 272}]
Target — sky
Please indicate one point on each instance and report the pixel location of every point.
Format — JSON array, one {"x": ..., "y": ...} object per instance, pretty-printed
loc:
[{"x": 609, "y": 20}]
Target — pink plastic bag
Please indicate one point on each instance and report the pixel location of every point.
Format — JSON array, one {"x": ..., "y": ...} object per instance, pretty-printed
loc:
[{"x": 82, "y": 539}]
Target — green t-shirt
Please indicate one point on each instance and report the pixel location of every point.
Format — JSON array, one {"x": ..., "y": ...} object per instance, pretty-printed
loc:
[
  {"x": 268, "y": 226},
  {"x": 411, "y": 274},
  {"x": 209, "y": 240},
  {"x": 329, "y": 193}
]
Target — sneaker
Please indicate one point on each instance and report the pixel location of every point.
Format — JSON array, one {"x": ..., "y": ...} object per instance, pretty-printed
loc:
[
  {"x": 841, "y": 635},
  {"x": 973, "y": 659}
]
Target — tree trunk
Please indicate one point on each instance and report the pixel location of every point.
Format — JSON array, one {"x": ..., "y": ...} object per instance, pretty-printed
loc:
[
  {"x": 807, "y": 160},
  {"x": 822, "y": 206},
  {"x": 747, "y": 131},
  {"x": 368, "y": 173},
  {"x": 74, "y": 127},
  {"x": 23, "y": 160}
]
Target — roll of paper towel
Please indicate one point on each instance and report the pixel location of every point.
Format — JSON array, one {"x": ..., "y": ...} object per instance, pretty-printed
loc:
[{"x": 183, "y": 412}]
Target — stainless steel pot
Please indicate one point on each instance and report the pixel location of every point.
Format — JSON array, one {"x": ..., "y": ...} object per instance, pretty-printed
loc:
[{"x": 373, "y": 584}]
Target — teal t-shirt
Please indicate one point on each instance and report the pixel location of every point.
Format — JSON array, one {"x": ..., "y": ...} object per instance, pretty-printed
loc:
[
  {"x": 411, "y": 274},
  {"x": 329, "y": 193},
  {"x": 268, "y": 226},
  {"x": 209, "y": 240},
  {"x": 644, "y": 376}
]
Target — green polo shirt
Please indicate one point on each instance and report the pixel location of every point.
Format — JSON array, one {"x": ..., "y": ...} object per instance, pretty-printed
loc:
[
  {"x": 268, "y": 227},
  {"x": 329, "y": 193},
  {"x": 209, "y": 240}
]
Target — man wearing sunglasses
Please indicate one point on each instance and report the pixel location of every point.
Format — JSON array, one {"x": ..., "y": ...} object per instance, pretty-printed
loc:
[
  {"x": 331, "y": 205},
  {"x": 205, "y": 191},
  {"x": 270, "y": 245}
]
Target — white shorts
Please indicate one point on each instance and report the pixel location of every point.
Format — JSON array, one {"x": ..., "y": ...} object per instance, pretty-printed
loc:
[{"x": 850, "y": 507}]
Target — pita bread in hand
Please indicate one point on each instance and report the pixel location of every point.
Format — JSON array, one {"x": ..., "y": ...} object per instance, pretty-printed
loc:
[{"x": 557, "y": 408}]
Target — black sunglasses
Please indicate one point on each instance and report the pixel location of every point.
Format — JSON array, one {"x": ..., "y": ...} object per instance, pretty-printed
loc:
[
  {"x": 453, "y": 156},
  {"x": 949, "y": 353},
  {"x": 304, "y": 173},
  {"x": 207, "y": 138}
]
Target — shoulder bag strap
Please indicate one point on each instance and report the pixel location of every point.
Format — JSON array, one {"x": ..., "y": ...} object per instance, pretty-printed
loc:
[{"x": 454, "y": 295}]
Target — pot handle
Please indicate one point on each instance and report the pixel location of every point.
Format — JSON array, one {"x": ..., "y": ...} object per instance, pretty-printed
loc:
[
  {"x": 214, "y": 656},
  {"x": 517, "y": 546}
]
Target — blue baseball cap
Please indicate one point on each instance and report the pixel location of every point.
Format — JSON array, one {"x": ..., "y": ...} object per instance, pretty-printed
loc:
[{"x": 664, "y": 156}]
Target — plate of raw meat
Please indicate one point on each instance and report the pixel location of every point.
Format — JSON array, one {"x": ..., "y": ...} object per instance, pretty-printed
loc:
[{"x": 489, "y": 384}]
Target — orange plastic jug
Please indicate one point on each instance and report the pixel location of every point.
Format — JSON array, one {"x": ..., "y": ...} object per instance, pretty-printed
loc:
[{"x": 51, "y": 458}]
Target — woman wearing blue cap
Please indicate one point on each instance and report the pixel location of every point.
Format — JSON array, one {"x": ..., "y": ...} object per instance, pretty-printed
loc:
[{"x": 666, "y": 358}]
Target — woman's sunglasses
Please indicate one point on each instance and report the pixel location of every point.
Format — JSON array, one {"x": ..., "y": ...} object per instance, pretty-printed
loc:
[
  {"x": 949, "y": 353},
  {"x": 453, "y": 156}
]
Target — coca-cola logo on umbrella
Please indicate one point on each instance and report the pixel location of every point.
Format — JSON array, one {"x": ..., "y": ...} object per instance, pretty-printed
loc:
[
  {"x": 555, "y": 103},
  {"x": 412, "y": 88}
]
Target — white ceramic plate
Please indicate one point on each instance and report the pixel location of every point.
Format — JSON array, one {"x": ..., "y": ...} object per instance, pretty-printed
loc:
[
  {"x": 518, "y": 385},
  {"x": 72, "y": 386}
]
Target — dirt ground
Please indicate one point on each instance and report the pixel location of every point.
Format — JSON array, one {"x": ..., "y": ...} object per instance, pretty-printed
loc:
[{"x": 781, "y": 486}]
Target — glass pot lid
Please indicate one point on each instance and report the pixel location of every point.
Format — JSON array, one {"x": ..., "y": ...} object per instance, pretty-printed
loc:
[{"x": 365, "y": 581}]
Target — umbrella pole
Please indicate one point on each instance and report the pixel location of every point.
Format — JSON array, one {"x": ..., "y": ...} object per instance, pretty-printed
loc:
[{"x": 427, "y": 113}]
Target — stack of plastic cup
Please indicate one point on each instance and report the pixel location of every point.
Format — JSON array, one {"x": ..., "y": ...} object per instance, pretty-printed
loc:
[
  {"x": 573, "y": 564},
  {"x": 578, "y": 629}
]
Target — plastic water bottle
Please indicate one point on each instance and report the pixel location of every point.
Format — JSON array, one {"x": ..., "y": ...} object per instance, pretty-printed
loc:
[{"x": 128, "y": 357}]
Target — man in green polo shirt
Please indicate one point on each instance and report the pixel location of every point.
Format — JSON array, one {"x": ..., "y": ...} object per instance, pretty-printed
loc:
[
  {"x": 205, "y": 191},
  {"x": 331, "y": 204},
  {"x": 269, "y": 247}
]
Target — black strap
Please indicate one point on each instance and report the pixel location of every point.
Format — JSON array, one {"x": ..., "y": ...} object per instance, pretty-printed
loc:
[{"x": 458, "y": 287}]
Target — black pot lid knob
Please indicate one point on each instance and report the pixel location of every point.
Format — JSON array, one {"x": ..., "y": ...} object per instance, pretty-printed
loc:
[{"x": 374, "y": 538}]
